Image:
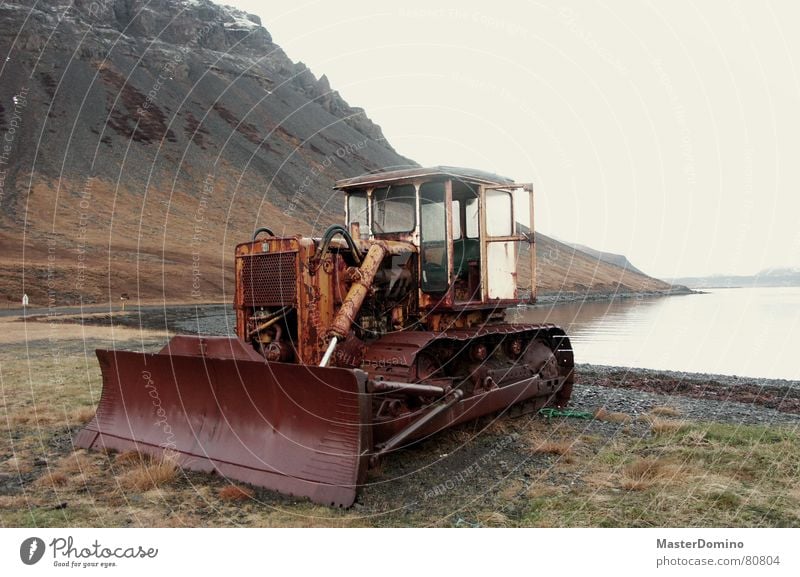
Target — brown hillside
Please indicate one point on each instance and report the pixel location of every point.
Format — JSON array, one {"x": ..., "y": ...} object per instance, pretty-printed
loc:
[
  {"x": 562, "y": 268},
  {"x": 147, "y": 138}
]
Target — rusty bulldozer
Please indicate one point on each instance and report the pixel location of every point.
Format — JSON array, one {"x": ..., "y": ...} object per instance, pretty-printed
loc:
[{"x": 350, "y": 346}]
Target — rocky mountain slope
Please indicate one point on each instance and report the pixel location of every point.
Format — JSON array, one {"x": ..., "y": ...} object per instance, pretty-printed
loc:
[
  {"x": 141, "y": 140},
  {"x": 565, "y": 272},
  {"x": 619, "y": 260}
]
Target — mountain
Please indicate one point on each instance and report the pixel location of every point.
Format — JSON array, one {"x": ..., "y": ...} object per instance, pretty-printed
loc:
[
  {"x": 141, "y": 140},
  {"x": 565, "y": 272},
  {"x": 609, "y": 257},
  {"x": 150, "y": 135},
  {"x": 769, "y": 277}
]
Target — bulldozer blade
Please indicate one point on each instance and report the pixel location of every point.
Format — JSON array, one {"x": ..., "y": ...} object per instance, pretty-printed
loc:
[{"x": 216, "y": 405}]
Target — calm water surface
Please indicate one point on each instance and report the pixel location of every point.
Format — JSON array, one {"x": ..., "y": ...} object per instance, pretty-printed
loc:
[{"x": 752, "y": 332}]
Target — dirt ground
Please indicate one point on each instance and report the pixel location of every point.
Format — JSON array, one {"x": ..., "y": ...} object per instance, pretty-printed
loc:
[{"x": 649, "y": 457}]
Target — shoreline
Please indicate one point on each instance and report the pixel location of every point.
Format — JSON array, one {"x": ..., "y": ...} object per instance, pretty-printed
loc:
[
  {"x": 564, "y": 297},
  {"x": 146, "y": 308},
  {"x": 690, "y": 375},
  {"x": 543, "y": 298},
  {"x": 742, "y": 394},
  {"x": 216, "y": 319}
]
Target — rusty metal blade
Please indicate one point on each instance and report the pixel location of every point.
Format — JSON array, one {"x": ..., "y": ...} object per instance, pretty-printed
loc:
[{"x": 295, "y": 429}]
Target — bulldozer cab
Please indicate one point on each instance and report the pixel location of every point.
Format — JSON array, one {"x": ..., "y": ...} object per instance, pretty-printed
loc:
[{"x": 472, "y": 231}]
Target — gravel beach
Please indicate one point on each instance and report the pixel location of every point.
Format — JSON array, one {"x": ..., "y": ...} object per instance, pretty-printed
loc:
[{"x": 697, "y": 397}]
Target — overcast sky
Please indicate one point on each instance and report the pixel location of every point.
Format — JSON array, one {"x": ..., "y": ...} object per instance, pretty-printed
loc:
[{"x": 666, "y": 131}]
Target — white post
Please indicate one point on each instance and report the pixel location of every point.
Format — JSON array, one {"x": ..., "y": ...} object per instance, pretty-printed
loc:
[{"x": 327, "y": 357}]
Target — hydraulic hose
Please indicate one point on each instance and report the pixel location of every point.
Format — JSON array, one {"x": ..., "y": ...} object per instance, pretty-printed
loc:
[
  {"x": 261, "y": 229},
  {"x": 333, "y": 231}
]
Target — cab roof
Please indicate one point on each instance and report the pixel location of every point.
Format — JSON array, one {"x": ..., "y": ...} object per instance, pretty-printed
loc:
[{"x": 469, "y": 175}]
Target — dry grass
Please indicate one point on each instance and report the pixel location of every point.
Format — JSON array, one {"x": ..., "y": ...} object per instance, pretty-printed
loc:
[
  {"x": 602, "y": 414},
  {"x": 12, "y": 331},
  {"x": 40, "y": 418},
  {"x": 557, "y": 447},
  {"x": 666, "y": 427},
  {"x": 644, "y": 473},
  {"x": 603, "y": 480},
  {"x": 13, "y": 502},
  {"x": 53, "y": 479},
  {"x": 703, "y": 475},
  {"x": 235, "y": 493},
  {"x": 149, "y": 473},
  {"x": 77, "y": 462},
  {"x": 503, "y": 426},
  {"x": 177, "y": 520},
  {"x": 665, "y": 411},
  {"x": 82, "y": 415},
  {"x": 694, "y": 438},
  {"x": 459, "y": 435},
  {"x": 493, "y": 519},
  {"x": 16, "y": 465},
  {"x": 511, "y": 490},
  {"x": 128, "y": 458},
  {"x": 541, "y": 491}
]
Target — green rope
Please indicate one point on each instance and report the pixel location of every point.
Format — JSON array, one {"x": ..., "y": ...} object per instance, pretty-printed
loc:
[{"x": 549, "y": 413}]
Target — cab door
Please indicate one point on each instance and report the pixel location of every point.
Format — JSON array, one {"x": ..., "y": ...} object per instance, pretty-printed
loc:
[{"x": 499, "y": 241}]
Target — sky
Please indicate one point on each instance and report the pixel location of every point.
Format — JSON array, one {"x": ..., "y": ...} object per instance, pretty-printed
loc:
[{"x": 665, "y": 131}]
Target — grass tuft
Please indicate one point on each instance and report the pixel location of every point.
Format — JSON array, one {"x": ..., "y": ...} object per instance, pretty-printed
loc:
[
  {"x": 235, "y": 493},
  {"x": 128, "y": 458},
  {"x": 77, "y": 462},
  {"x": 602, "y": 414},
  {"x": 149, "y": 473},
  {"x": 665, "y": 411},
  {"x": 660, "y": 426},
  {"x": 82, "y": 415},
  {"x": 554, "y": 447},
  {"x": 53, "y": 479},
  {"x": 493, "y": 519},
  {"x": 644, "y": 473}
]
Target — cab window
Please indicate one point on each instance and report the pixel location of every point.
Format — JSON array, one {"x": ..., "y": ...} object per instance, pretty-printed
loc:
[
  {"x": 393, "y": 209},
  {"x": 433, "y": 237},
  {"x": 357, "y": 209},
  {"x": 498, "y": 213}
]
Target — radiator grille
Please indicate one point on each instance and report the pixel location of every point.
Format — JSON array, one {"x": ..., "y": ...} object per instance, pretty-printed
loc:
[{"x": 269, "y": 279}]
